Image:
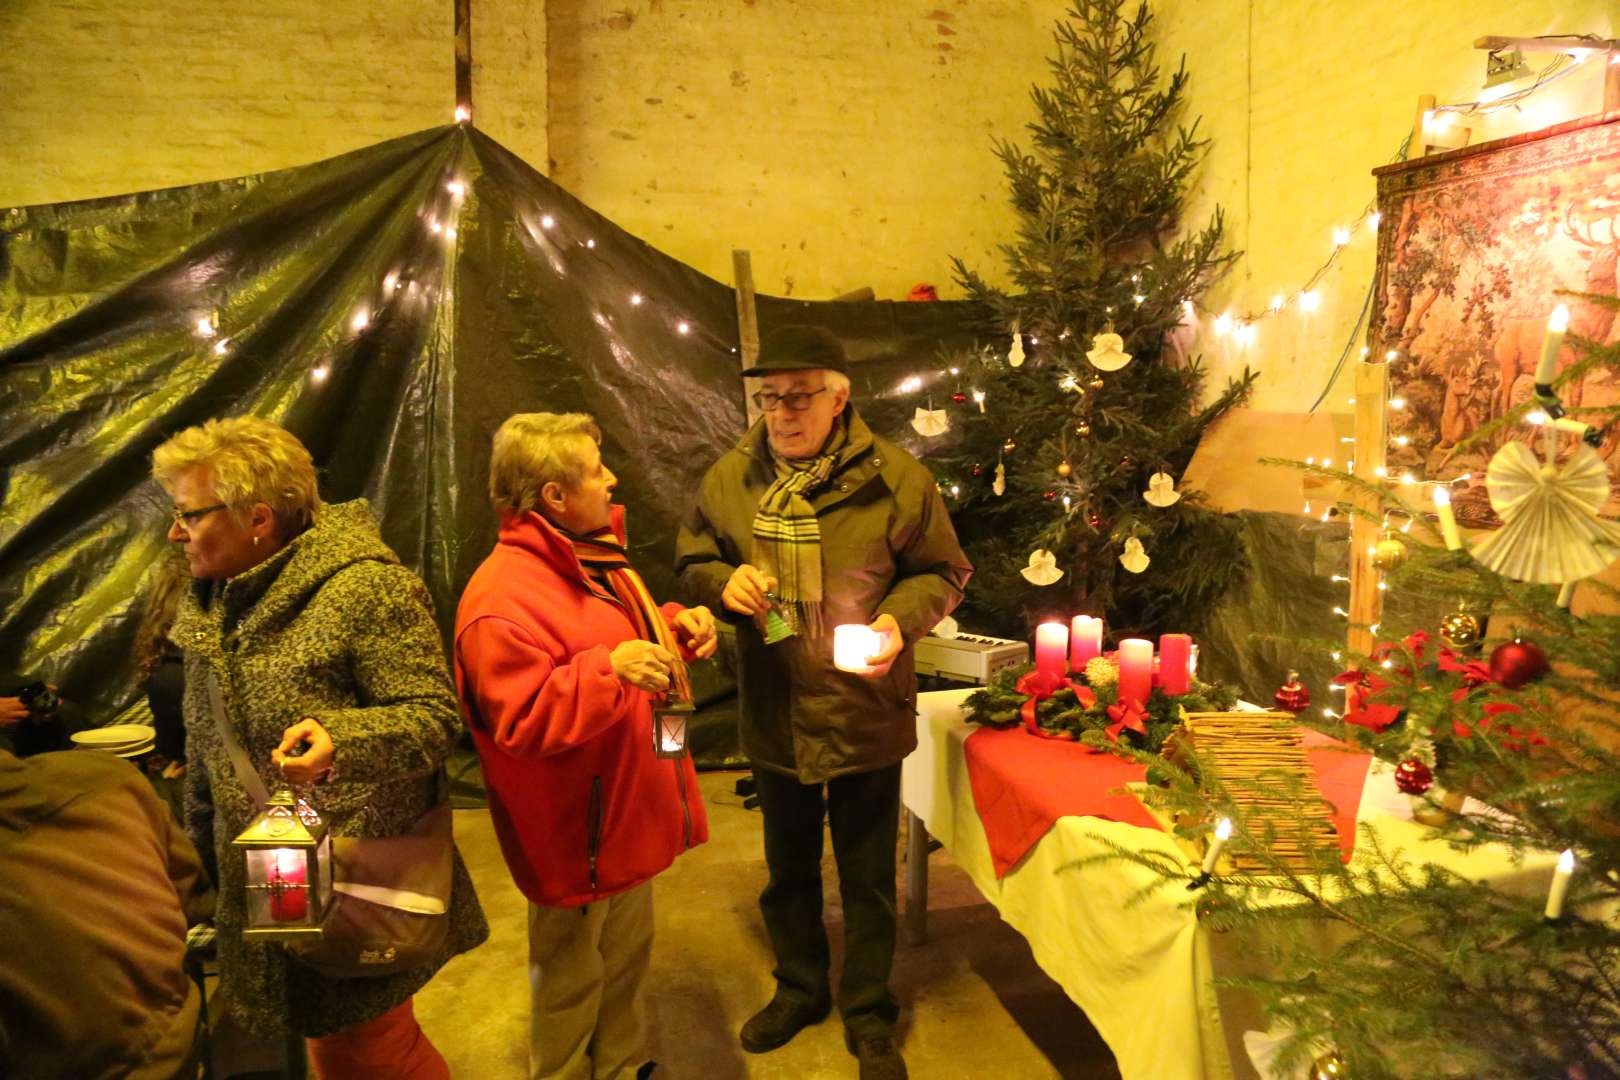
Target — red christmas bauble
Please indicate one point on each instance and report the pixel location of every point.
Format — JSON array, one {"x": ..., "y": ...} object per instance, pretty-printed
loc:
[
  {"x": 977, "y": 469},
  {"x": 1094, "y": 519},
  {"x": 1413, "y": 777},
  {"x": 959, "y": 397},
  {"x": 1515, "y": 663},
  {"x": 1051, "y": 495},
  {"x": 1292, "y": 695}
]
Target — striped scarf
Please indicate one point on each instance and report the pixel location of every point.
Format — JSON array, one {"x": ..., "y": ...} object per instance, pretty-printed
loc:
[
  {"x": 608, "y": 564},
  {"x": 787, "y": 536}
]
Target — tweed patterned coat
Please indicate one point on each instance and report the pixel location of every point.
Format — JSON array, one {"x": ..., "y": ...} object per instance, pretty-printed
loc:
[{"x": 331, "y": 627}]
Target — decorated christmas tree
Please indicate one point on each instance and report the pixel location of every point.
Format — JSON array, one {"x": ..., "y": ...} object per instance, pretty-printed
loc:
[
  {"x": 1477, "y": 938},
  {"x": 1070, "y": 433}
]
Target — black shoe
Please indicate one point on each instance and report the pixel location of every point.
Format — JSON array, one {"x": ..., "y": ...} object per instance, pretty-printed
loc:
[
  {"x": 879, "y": 1056},
  {"x": 646, "y": 1070},
  {"x": 778, "y": 1022}
]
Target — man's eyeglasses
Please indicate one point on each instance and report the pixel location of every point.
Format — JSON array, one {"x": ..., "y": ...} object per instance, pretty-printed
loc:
[
  {"x": 187, "y": 518},
  {"x": 798, "y": 401}
]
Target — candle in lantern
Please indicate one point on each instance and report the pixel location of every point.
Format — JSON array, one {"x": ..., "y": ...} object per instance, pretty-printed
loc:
[
  {"x": 1448, "y": 520},
  {"x": 1135, "y": 670},
  {"x": 1560, "y": 885},
  {"x": 1223, "y": 833},
  {"x": 1085, "y": 641},
  {"x": 853, "y": 645},
  {"x": 1175, "y": 663},
  {"x": 289, "y": 900},
  {"x": 1052, "y": 648},
  {"x": 1557, "y": 323}
]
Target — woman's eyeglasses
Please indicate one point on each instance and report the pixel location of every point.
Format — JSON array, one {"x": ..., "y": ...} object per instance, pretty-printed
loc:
[
  {"x": 798, "y": 401},
  {"x": 187, "y": 518}
]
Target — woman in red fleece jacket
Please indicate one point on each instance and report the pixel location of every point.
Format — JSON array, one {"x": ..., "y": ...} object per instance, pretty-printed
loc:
[{"x": 560, "y": 656}]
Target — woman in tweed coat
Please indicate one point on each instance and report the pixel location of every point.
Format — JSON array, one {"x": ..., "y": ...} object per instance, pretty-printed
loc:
[{"x": 319, "y": 638}]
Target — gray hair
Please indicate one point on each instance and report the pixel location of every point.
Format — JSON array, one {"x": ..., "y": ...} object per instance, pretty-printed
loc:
[{"x": 532, "y": 450}]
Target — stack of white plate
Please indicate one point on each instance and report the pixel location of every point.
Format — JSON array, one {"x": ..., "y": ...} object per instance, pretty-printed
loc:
[{"x": 125, "y": 740}]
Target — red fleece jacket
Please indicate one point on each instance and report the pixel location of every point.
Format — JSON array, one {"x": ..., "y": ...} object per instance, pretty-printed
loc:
[{"x": 582, "y": 808}]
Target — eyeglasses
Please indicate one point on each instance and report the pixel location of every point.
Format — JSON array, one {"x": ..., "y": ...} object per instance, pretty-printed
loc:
[
  {"x": 798, "y": 401},
  {"x": 187, "y": 518}
]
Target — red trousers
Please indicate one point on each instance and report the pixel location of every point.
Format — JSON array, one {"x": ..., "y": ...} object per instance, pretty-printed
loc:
[{"x": 393, "y": 1045}]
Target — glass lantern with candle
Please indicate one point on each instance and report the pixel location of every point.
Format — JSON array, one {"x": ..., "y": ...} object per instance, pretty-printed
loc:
[
  {"x": 287, "y": 855},
  {"x": 670, "y": 722}
]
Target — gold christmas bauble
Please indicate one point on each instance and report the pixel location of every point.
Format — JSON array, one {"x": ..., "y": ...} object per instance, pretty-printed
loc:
[
  {"x": 1389, "y": 553},
  {"x": 1330, "y": 1066},
  {"x": 1082, "y": 429},
  {"x": 1460, "y": 630},
  {"x": 1096, "y": 383},
  {"x": 1064, "y": 468}
]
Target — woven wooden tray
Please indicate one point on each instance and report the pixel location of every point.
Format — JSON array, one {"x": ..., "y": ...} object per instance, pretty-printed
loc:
[{"x": 1252, "y": 753}]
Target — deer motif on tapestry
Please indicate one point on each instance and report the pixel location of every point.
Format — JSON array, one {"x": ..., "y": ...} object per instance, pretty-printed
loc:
[{"x": 1518, "y": 348}]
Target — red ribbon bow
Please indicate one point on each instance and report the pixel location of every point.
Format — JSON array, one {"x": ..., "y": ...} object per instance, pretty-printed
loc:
[
  {"x": 1127, "y": 714},
  {"x": 1037, "y": 686}
]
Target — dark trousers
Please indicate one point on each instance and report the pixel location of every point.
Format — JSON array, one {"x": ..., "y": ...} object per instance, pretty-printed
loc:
[{"x": 864, "y": 813}]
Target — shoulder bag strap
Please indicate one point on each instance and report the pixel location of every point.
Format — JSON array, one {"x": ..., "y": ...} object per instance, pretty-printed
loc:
[{"x": 250, "y": 779}]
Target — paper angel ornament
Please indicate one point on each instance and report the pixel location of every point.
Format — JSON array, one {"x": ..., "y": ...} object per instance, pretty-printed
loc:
[
  {"x": 1042, "y": 568},
  {"x": 1550, "y": 530},
  {"x": 1108, "y": 352},
  {"x": 945, "y": 628},
  {"x": 1000, "y": 484},
  {"x": 930, "y": 422},
  {"x": 1161, "y": 490},
  {"x": 1015, "y": 351},
  {"x": 1135, "y": 558}
]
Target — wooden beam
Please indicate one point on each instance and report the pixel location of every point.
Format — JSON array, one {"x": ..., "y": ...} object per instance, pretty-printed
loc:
[
  {"x": 1611, "y": 83},
  {"x": 1371, "y": 435},
  {"x": 464, "y": 57},
  {"x": 1419, "y": 145},
  {"x": 742, "y": 270}
]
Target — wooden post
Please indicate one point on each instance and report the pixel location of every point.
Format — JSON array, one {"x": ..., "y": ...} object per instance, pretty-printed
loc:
[
  {"x": 1419, "y": 145},
  {"x": 464, "y": 56},
  {"x": 742, "y": 268},
  {"x": 1371, "y": 436},
  {"x": 1611, "y": 83}
]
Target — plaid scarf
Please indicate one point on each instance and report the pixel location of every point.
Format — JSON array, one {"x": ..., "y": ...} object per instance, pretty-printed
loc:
[
  {"x": 787, "y": 536},
  {"x": 608, "y": 564}
]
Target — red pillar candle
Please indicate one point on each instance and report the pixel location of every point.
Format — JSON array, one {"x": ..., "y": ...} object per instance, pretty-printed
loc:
[
  {"x": 290, "y": 902},
  {"x": 1175, "y": 663},
  {"x": 1085, "y": 641},
  {"x": 1135, "y": 670},
  {"x": 1052, "y": 648}
]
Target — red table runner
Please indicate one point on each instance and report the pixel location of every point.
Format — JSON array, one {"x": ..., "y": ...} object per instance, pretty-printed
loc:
[{"x": 1022, "y": 784}]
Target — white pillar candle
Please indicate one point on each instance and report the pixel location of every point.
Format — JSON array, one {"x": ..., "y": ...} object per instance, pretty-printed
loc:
[
  {"x": 1223, "y": 833},
  {"x": 1560, "y": 885},
  {"x": 1557, "y": 323},
  {"x": 853, "y": 644},
  {"x": 1135, "y": 670},
  {"x": 1448, "y": 520},
  {"x": 1052, "y": 648}
]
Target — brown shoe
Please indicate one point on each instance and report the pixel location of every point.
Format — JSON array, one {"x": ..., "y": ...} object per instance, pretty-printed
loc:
[
  {"x": 777, "y": 1023},
  {"x": 879, "y": 1057}
]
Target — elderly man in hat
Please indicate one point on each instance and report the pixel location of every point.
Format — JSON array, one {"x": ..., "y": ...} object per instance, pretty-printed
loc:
[{"x": 811, "y": 521}]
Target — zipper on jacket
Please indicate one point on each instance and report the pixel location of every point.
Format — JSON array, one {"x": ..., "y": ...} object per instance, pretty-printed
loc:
[
  {"x": 595, "y": 825},
  {"x": 686, "y": 811}
]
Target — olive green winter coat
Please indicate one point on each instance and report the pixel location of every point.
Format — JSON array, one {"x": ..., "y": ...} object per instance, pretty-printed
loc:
[
  {"x": 887, "y": 547},
  {"x": 330, "y": 627}
]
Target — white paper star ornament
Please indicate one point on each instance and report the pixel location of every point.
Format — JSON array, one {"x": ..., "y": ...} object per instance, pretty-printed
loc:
[
  {"x": 1042, "y": 568},
  {"x": 1135, "y": 558},
  {"x": 1161, "y": 490}
]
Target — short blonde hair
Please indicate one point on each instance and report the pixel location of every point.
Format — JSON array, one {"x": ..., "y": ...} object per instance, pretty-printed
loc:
[
  {"x": 250, "y": 461},
  {"x": 535, "y": 449}
]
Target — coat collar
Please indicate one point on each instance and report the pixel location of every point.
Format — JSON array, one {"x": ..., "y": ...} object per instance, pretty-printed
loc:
[
  {"x": 532, "y": 534},
  {"x": 859, "y": 462}
]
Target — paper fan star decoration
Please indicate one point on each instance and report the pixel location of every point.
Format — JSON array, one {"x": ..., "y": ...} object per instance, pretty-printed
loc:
[
  {"x": 1042, "y": 568},
  {"x": 1000, "y": 484},
  {"x": 1108, "y": 351},
  {"x": 1135, "y": 558},
  {"x": 945, "y": 628},
  {"x": 1550, "y": 530},
  {"x": 1015, "y": 351},
  {"x": 930, "y": 422},
  {"x": 1161, "y": 490}
]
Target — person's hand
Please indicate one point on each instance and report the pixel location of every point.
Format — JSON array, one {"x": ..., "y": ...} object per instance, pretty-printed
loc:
[
  {"x": 12, "y": 711},
  {"x": 879, "y": 663},
  {"x": 745, "y": 592},
  {"x": 315, "y": 762},
  {"x": 694, "y": 627},
  {"x": 642, "y": 664}
]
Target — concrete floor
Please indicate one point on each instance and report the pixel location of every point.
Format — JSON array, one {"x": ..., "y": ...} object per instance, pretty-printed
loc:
[{"x": 975, "y": 1004}]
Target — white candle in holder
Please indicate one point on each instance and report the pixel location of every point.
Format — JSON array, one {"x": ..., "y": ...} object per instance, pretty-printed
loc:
[
  {"x": 1223, "y": 833},
  {"x": 1560, "y": 885},
  {"x": 853, "y": 643},
  {"x": 1557, "y": 323},
  {"x": 1448, "y": 520}
]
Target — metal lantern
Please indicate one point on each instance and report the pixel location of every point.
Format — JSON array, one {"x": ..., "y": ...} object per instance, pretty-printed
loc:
[
  {"x": 669, "y": 729},
  {"x": 287, "y": 855}
]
